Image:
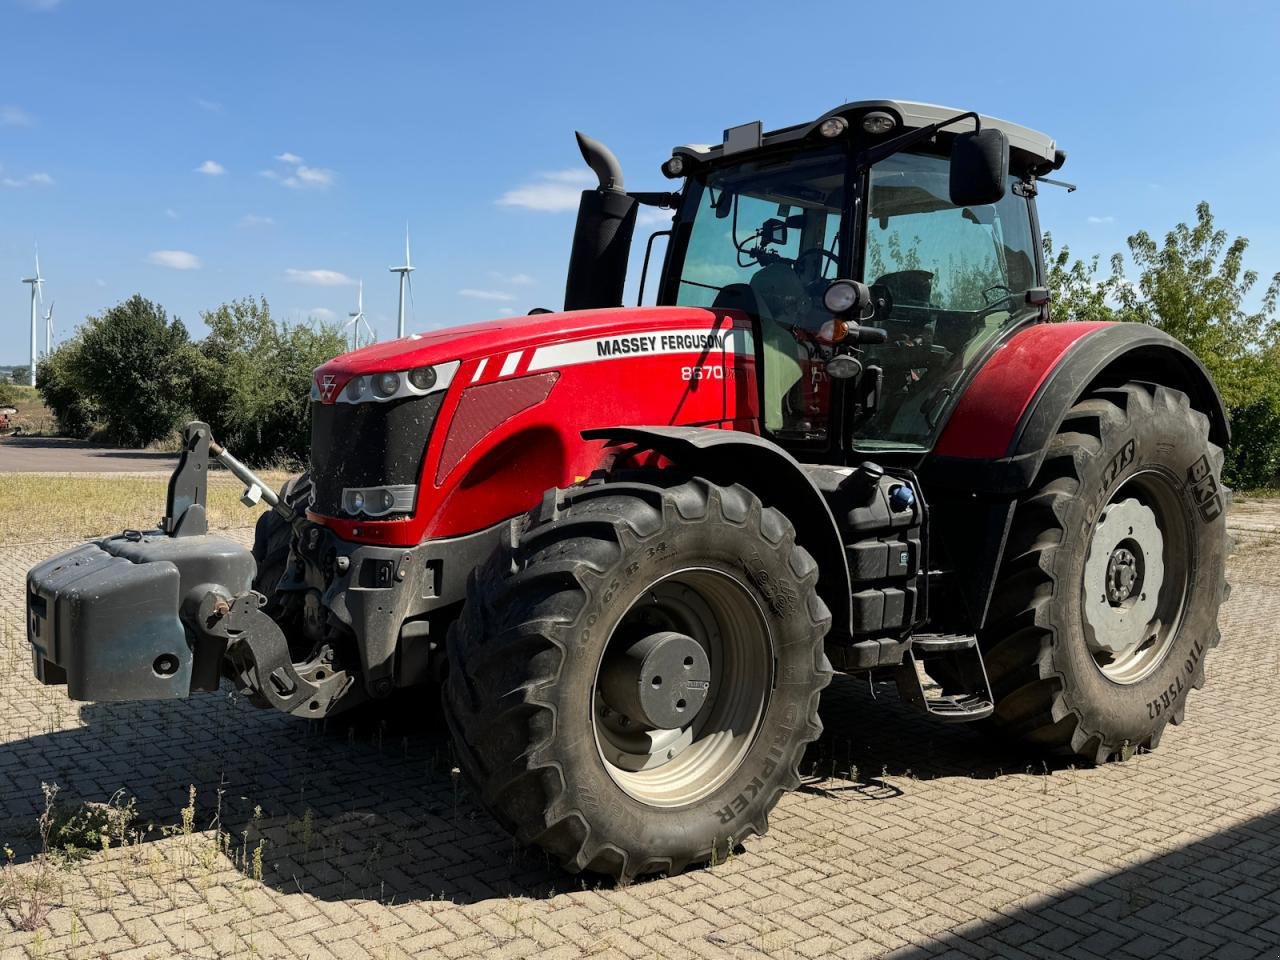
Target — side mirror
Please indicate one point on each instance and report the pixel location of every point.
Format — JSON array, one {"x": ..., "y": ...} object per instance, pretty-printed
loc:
[{"x": 979, "y": 167}]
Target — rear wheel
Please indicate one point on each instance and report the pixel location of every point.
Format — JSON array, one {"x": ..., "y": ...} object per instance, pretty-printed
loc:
[
  {"x": 1108, "y": 599},
  {"x": 634, "y": 678}
]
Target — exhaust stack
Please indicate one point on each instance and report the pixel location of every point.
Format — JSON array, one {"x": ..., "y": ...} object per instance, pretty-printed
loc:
[{"x": 602, "y": 237}]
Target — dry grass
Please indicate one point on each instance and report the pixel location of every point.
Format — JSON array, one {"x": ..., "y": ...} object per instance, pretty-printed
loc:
[
  {"x": 33, "y": 416},
  {"x": 42, "y": 507}
]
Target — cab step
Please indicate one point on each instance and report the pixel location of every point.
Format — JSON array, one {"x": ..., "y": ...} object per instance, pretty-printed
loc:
[
  {"x": 970, "y": 701},
  {"x": 935, "y": 644}
]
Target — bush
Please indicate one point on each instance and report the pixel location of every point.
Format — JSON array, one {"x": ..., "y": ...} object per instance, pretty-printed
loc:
[
  {"x": 7, "y": 395},
  {"x": 253, "y": 384},
  {"x": 64, "y": 392}
]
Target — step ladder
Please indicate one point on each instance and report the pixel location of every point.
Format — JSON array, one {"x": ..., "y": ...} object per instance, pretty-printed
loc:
[{"x": 965, "y": 660}]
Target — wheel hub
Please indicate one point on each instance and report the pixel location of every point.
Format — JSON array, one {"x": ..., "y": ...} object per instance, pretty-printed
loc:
[
  {"x": 1123, "y": 574},
  {"x": 1123, "y": 578},
  {"x": 660, "y": 681}
]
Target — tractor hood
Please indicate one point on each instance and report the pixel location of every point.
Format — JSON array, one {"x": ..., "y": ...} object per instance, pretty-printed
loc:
[{"x": 478, "y": 340}]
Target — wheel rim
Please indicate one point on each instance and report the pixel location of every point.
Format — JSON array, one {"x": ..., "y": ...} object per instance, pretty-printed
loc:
[
  {"x": 1135, "y": 577},
  {"x": 700, "y": 615}
]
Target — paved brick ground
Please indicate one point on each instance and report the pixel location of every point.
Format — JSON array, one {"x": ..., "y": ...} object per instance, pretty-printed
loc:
[{"x": 912, "y": 839}]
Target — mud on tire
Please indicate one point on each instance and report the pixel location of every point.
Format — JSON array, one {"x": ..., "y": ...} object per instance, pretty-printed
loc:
[
  {"x": 524, "y": 658},
  {"x": 1062, "y": 677}
]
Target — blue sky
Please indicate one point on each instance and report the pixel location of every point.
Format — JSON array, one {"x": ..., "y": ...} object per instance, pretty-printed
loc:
[{"x": 201, "y": 152}]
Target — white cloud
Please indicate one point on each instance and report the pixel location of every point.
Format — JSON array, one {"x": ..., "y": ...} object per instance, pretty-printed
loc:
[
  {"x": 174, "y": 259},
  {"x": 297, "y": 175},
  {"x": 323, "y": 314},
  {"x": 552, "y": 192},
  {"x": 320, "y": 278},
  {"x": 253, "y": 220},
  {"x": 511, "y": 279},
  {"x": 171, "y": 213},
  {"x": 309, "y": 177},
  {"x": 11, "y": 116},
  {"x": 213, "y": 106},
  {"x": 211, "y": 168},
  {"x": 40, "y": 178},
  {"x": 1107, "y": 219},
  {"x": 486, "y": 294},
  {"x": 653, "y": 217},
  {"x": 506, "y": 312}
]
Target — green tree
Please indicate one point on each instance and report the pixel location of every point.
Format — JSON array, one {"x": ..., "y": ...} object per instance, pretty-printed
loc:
[
  {"x": 254, "y": 381},
  {"x": 136, "y": 363},
  {"x": 1075, "y": 288},
  {"x": 20, "y": 375},
  {"x": 1195, "y": 287}
]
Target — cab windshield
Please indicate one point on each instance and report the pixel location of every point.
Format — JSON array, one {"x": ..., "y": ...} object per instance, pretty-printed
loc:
[{"x": 765, "y": 238}]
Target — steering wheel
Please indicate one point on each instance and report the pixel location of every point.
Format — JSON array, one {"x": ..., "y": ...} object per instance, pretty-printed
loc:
[{"x": 816, "y": 252}]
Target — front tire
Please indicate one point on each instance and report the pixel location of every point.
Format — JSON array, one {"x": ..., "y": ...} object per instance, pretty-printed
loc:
[
  {"x": 635, "y": 676},
  {"x": 1107, "y": 602}
]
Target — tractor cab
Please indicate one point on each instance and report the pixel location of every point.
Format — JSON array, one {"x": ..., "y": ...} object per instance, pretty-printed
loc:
[{"x": 930, "y": 208}]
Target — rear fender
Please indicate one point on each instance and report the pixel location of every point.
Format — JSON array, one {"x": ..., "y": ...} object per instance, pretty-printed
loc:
[
  {"x": 996, "y": 440},
  {"x": 997, "y": 437},
  {"x": 772, "y": 474}
]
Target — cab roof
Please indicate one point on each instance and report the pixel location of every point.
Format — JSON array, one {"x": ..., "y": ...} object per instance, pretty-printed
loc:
[{"x": 1035, "y": 150}]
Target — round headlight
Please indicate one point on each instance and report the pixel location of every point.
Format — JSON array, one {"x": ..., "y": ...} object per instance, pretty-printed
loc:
[
  {"x": 833, "y": 126},
  {"x": 386, "y": 384},
  {"x": 423, "y": 378},
  {"x": 388, "y": 501},
  {"x": 843, "y": 367},
  {"x": 673, "y": 168},
  {"x": 840, "y": 297},
  {"x": 877, "y": 122},
  {"x": 355, "y": 389},
  {"x": 357, "y": 502}
]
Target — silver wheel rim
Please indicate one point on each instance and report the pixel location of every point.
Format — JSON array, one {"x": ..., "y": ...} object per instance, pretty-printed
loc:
[
  {"x": 1135, "y": 576},
  {"x": 675, "y": 766}
]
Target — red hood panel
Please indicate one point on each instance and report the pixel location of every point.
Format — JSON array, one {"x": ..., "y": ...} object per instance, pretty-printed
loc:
[{"x": 481, "y": 339}]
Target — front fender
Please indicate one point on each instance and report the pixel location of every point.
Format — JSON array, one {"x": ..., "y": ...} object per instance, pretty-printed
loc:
[{"x": 772, "y": 474}]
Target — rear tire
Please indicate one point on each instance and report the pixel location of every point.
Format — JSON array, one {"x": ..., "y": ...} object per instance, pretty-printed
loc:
[
  {"x": 528, "y": 689},
  {"x": 1107, "y": 601}
]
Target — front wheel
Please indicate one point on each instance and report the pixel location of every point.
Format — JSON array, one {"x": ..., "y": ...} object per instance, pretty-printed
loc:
[
  {"x": 634, "y": 678},
  {"x": 1107, "y": 603}
]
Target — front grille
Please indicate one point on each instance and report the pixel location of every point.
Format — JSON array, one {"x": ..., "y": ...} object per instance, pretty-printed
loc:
[{"x": 367, "y": 445}]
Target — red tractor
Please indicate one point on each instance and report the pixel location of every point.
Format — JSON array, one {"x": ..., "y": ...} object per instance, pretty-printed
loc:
[{"x": 634, "y": 542}]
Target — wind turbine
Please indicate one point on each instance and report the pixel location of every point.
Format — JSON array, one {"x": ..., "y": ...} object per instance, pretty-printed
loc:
[
  {"x": 404, "y": 278},
  {"x": 48, "y": 329},
  {"x": 357, "y": 318},
  {"x": 36, "y": 294}
]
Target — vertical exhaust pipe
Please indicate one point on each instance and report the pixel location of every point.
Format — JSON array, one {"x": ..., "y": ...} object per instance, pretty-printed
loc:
[{"x": 602, "y": 238}]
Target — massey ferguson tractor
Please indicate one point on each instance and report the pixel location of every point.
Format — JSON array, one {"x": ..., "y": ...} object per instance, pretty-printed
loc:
[{"x": 634, "y": 543}]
